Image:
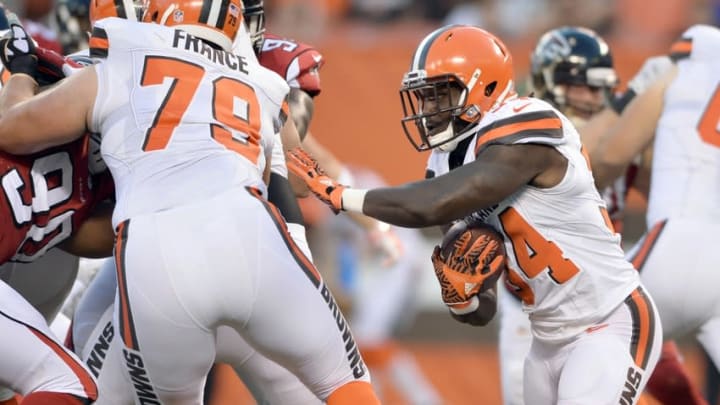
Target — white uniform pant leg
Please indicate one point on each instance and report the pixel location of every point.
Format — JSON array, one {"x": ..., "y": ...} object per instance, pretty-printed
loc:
[
  {"x": 93, "y": 332},
  {"x": 514, "y": 342},
  {"x": 610, "y": 363},
  {"x": 184, "y": 272},
  {"x": 268, "y": 382},
  {"x": 92, "y": 306},
  {"x": 33, "y": 359},
  {"x": 678, "y": 261},
  {"x": 44, "y": 283}
]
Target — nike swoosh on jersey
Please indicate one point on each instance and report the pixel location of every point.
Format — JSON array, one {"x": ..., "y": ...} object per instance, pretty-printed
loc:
[
  {"x": 596, "y": 328},
  {"x": 522, "y": 107}
]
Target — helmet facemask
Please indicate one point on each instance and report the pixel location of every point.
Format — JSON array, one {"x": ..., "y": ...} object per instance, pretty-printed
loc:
[
  {"x": 254, "y": 15},
  {"x": 435, "y": 110}
]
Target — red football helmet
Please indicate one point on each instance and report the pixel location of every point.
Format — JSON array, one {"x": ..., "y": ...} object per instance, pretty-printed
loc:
[
  {"x": 458, "y": 73},
  {"x": 217, "y": 21}
]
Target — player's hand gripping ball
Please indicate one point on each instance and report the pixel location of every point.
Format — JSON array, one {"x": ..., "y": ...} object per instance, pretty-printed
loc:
[{"x": 468, "y": 262}]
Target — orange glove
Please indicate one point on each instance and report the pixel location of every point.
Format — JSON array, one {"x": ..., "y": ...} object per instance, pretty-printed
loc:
[
  {"x": 301, "y": 164},
  {"x": 468, "y": 270}
]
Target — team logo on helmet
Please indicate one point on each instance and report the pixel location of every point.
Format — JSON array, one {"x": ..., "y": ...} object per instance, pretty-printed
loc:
[
  {"x": 557, "y": 48},
  {"x": 178, "y": 16}
]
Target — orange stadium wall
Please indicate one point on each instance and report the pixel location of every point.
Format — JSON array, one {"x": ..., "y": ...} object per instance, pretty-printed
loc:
[{"x": 358, "y": 114}]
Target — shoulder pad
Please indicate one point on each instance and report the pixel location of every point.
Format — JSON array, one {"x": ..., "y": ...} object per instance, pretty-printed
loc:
[
  {"x": 122, "y": 33},
  {"x": 520, "y": 120},
  {"x": 701, "y": 41}
]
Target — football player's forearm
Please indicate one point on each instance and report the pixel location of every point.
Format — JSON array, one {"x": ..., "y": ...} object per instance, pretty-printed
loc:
[
  {"x": 19, "y": 87},
  {"x": 408, "y": 206},
  {"x": 280, "y": 193},
  {"x": 95, "y": 236}
]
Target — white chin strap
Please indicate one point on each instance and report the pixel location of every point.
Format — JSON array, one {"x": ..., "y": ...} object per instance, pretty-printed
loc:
[
  {"x": 441, "y": 137},
  {"x": 447, "y": 133}
]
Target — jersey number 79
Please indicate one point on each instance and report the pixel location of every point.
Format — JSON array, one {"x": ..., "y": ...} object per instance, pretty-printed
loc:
[{"x": 239, "y": 133}]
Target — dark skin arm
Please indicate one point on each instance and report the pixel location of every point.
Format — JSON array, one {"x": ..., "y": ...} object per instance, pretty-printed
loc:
[
  {"x": 95, "y": 238},
  {"x": 498, "y": 172}
]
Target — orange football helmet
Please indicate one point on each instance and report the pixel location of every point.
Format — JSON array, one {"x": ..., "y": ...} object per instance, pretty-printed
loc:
[
  {"x": 216, "y": 21},
  {"x": 100, "y": 9},
  {"x": 458, "y": 73}
]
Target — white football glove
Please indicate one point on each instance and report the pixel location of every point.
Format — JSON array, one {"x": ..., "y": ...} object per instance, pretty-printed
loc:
[
  {"x": 652, "y": 69},
  {"x": 385, "y": 240}
]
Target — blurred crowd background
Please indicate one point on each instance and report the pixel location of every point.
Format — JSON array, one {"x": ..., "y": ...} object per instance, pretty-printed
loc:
[{"x": 367, "y": 46}]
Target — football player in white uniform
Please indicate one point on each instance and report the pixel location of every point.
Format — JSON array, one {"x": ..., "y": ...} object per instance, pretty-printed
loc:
[
  {"x": 517, "y": 164},
  {"x": 678, "y": 116},
  {"x": 572, "y": 68},
  {"x": 186, "y": 132}
]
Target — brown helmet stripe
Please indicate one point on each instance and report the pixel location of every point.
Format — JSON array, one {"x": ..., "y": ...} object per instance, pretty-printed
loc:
[
  {"x": 120, "y": 9},
  {"x": 421, "y": 53},
  {"x": 205, "y": 11},
  {"x": 222, "y": 15}
]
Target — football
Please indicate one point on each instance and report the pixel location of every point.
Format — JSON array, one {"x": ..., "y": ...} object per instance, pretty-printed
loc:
[
  {"x": 457, "y": 243},
  {"x": 462, "y": 235}
]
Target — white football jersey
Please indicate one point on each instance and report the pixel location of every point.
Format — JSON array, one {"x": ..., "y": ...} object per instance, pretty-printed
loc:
[
  {"x": 686, "y": 159},
  {"x": 180, "y": 121},
  {"x": 565, "y": 260}
]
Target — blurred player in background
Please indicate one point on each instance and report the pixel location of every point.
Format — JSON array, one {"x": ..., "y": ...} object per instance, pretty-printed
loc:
[
  {"x": 517, "y": 164},
  {"x": 678, "y": 116},
  {"x": 35, "y": 14},
  {"x": 572, "y": 68}
]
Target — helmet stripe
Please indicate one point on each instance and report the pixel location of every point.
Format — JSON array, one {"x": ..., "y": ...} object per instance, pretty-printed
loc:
[
  {"x": 120, "y": 8},
  {"x": 422, "y": 50},
  {"x": 205, "y": 11},
  {"x": 214, "y": 12},
  {"x": 222, "y": 16}
]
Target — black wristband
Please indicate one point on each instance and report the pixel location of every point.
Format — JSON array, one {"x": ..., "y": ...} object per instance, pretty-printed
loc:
[
  {"x": 281, "y": 195},
  {"x": 618, "y": 103},
  {"x": 26, "y": 64}
]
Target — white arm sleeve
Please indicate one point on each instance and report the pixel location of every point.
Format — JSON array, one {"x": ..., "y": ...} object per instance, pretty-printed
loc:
[{"x": 278, "y": 165}]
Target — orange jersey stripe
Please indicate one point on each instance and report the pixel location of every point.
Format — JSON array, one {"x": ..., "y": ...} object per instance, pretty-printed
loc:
[
  {"x": 682, "y": 46},
  {"x": 532, "y": 124},
  {"x": 643, "y": 327},
  {"x": 681, "y": 49},
  {"x": 4, "y": 76},
  {"x": 638, "y": 260},
  {"x": 99, "y": 43},
  {"x": 83, "y": 376},
  {"x": 126, "y": 324}
]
